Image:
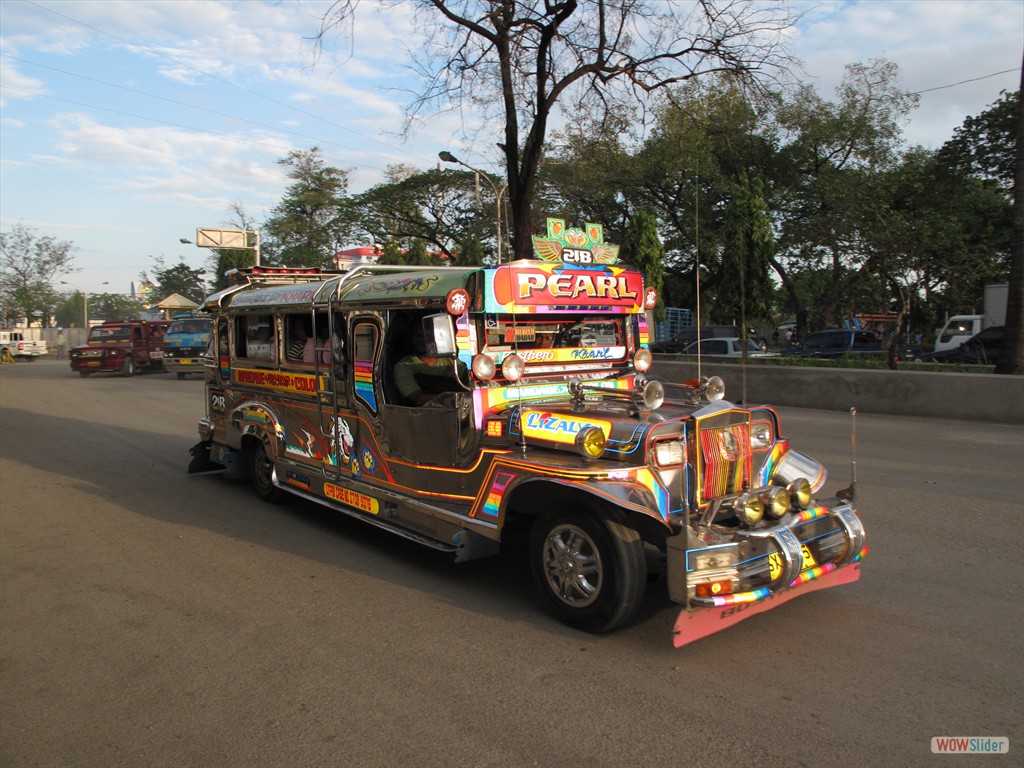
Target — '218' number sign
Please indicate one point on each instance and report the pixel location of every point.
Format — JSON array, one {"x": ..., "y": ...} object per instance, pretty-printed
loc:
[{"x": 577, "y": 256}]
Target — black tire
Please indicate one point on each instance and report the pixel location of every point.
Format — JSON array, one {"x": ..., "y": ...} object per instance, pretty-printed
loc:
[
  {"x": 589, "y": 565},
  {"x": 84, "y": 374},
  {"x": 128, "y": 367},
  {"x": 261, "y": 470},
  {"x": 181, "y": 376}
]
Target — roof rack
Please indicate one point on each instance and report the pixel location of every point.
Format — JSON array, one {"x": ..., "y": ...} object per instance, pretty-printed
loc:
[{"x": 278, "y": 275}]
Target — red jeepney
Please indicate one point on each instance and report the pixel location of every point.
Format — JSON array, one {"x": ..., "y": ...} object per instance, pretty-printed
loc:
[{"x": 121, "y": 346}]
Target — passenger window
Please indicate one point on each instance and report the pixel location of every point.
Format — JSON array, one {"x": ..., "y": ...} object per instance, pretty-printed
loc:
[
  {"x": 254, "y": 337},
  {"x": 298, "y": 346}
]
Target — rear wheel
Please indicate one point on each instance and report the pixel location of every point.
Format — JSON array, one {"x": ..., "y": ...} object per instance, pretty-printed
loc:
[
  {"x": 84, "y": 374},
  {"x": 181, "y": 376},
  {"x": 128, "y": 368},
  {"x": 261, "y": 469},
  {"x": 589, "y": 565}
]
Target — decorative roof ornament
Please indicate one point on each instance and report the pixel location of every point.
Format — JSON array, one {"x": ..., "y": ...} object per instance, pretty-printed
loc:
[{"x": 574, "y": 245}]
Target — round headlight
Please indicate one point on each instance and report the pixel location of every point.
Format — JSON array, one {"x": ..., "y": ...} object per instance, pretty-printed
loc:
[
  {"x": 714, "y": 389},
  {"x": 590, "y": 442},
  {"x": 776, "y": 502},
  {"x": 750, "y": 509},
  {"x": 483, "y": 367},
  {"x": 642, "y": 360},
  {"x": 512, "y": 367},
  {"x": 654, "y": 395},
  {"x": 800, "y": 493}
]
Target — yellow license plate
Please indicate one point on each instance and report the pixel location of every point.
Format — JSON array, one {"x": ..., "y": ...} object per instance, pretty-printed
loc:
[
  {"x": 184, "y": 362},
  {"x": 775, "y": 562}
]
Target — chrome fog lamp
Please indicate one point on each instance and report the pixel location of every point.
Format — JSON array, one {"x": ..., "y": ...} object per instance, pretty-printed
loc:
[
  {"x": 654, "y": 395},
  {"x": 590, "y": 442},
  {"x": 512, "y": 367},
  {"x": 714, "y": 389},
  {"x": 643, "y": 359},
  {"x": 483, "y": 367},
  {"x": 750, "y": 509},
  {"x": 776, "y": 502},
  {"x": 799, "y": 492}
]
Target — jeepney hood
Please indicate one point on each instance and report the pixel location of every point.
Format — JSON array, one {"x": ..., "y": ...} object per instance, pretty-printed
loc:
[
  {"x": 722, "y": 448},
  {"x": 555, "y": 424}
]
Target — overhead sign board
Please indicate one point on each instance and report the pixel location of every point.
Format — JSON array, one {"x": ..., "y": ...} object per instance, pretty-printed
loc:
[{"x": 221, "y": 238}]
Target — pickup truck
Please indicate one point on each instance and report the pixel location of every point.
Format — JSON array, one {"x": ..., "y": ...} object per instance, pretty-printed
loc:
[
  {"x": 20, "y": 347},
  {"x": 836, "y": 342}
]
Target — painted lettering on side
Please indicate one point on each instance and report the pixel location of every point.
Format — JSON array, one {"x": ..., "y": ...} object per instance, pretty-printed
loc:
[
  {"x": 288, "y": 382},
  {"x": 558, "y": 427},
  {"x": 351, "y": 498}
]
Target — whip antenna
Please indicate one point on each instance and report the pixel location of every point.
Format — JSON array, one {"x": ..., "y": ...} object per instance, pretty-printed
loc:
[{"x": 849, "y": 493}]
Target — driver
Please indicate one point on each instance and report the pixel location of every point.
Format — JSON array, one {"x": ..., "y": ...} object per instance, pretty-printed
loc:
[{"x": 420, "y": 377}]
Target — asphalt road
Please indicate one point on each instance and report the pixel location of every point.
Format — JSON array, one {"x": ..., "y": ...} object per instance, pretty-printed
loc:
[{"x": 152, "y": 618}]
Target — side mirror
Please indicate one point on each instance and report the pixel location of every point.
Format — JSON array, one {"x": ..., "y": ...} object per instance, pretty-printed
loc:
[{"x": 439, "y": 335}]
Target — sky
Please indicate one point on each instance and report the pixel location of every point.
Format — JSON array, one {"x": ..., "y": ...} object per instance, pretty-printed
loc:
[{"x": 127, "y": 124}]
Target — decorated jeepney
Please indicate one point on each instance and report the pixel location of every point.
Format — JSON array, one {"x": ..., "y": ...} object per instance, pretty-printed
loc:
[{"x": 540, "y": 422}]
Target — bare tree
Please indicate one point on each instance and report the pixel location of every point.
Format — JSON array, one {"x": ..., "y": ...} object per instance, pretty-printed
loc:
[{"x": 521, "y": 58}]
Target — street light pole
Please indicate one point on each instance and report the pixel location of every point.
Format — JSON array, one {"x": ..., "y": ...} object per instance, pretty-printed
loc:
[
  {"x": 499, "y": 192},
  {"x": 85, "y": 301}
]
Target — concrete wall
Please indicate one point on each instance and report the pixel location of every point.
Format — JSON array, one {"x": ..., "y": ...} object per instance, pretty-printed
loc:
[{"x": 981, "y": 396}]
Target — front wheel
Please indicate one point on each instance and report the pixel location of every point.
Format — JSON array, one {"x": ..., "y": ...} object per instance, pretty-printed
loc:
[
  {"x": 589, "y": 565},
  {"x": 128, "y": 369},
  {"x": 261, "y": 468}
]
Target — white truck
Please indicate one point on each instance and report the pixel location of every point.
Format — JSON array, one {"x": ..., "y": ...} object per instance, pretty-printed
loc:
[
  {"x": 20, "y": 347},
  {"x": 959, "y": 328}
]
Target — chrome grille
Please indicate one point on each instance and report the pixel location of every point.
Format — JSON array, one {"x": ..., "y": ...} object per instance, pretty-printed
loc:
[{"x": 725, "y": 456}]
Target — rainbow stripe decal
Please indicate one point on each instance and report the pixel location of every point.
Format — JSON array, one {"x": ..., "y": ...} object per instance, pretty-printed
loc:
[
  {"x": 496, "y": 494},
  {"x": 811, "y": 514},
  {"x": 756, "y": 595},
  {"x": 363, "y": 372}
]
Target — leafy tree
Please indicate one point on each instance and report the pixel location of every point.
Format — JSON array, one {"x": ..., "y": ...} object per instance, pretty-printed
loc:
[
  {"x": 830, "y": 151},
  {"x": 29, "y": 265},
  {"x": 70, "y": 310},
  {"x": 392, "y": 253},
  {"x": 991, "y": 146},
  {"x": 312, "y": 221},
  {"x": 985, "y": 145},
  {"x": 642, "y": 249},
  {"x": 518, "y": 60},
  {"x": 178, "y": 278},
  {"x": 435, "y": 206},
  {"x": 746, "y": 255},
  {"x": 417, "y": 255},
  {"x": 470, "y": 252}
]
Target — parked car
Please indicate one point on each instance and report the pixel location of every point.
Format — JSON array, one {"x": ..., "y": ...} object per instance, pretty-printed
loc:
[
  {"x": 20, "y": 347},
  {"x": 981, "y": 349},
  {"x": 837, "y": 342},
  {"x": 727, "y": 347},
  {"x": 688, "y": 336}
]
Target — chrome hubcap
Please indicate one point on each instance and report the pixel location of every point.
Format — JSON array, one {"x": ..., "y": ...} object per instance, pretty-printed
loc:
[{"x": 572, "y": 565}]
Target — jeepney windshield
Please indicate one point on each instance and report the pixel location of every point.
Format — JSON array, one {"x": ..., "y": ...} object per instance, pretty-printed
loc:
[
  {"x": 117, "y": 333},
  {"x": 557, "y": 339},
  {"x": 191, "y": 325}
]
